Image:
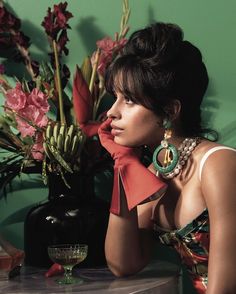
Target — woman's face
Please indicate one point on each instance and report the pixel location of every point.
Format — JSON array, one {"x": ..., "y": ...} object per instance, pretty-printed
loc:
[{"x": 133, "y": 124}]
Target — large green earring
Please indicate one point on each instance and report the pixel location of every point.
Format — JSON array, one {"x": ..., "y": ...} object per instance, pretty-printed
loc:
[{"x": 171, "y": 153}]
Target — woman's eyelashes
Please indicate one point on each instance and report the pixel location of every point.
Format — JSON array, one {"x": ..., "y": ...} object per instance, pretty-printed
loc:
[
  {"x": 128, "y": 100},
  {"x": 121, "y": 98}
]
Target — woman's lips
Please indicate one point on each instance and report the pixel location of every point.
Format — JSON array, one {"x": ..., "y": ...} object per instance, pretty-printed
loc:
[{"x": 115, "y": 131}]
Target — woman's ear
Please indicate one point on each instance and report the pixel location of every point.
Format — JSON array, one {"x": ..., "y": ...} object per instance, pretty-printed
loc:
[
  {"x": 173, "y": 109},
  {"x": 176, "y": 108}
]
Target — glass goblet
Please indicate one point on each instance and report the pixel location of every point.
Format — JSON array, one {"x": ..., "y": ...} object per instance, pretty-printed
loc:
[{"x": 68, "y": 255}]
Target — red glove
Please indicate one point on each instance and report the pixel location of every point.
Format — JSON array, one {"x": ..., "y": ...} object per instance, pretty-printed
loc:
[
  {"x": 55, "y": 269},
  {"x": 90, "y": 128},
  {"x": 138, "y": 182}
]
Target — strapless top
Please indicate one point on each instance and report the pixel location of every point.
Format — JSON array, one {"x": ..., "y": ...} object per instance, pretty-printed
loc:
[{"x": 192, "y": 243}]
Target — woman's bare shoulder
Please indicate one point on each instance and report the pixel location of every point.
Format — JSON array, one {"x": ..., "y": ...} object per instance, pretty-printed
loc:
[
  {"x": 217, "y": 169},
  {"x": 206, "y": 146},
  {"x": 210, "y": 153}
]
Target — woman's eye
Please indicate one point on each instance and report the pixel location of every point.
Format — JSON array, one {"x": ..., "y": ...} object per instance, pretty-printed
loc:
[{"x": 128, "y": 100}]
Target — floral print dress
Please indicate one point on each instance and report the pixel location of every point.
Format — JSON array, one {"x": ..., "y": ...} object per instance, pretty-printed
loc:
[{"x": 192, "y": 243}]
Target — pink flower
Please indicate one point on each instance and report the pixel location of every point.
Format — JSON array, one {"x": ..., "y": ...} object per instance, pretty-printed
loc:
[
  {"x": 32, "y": 114},
  {"x": 109, "y": 49},
  {"x": 108, "y": 46},
  {"x": 37, "y": 149},
  {"x": 39, "y": 99},
  {"x": 16, "y": 98},
  {"x": 104, "y": 61}
]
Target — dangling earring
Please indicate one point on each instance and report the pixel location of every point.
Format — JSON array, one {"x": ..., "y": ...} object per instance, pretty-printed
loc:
[{"x": 171, "y": 156}]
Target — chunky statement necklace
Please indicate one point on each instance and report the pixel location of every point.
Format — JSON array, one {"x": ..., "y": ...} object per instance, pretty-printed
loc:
[{"x": 185, "y": 150}]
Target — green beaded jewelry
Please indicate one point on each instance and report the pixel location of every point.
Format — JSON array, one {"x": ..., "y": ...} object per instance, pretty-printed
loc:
[
  {"x": 175, "y": 157},
  {"x": 170, "y": 162}
]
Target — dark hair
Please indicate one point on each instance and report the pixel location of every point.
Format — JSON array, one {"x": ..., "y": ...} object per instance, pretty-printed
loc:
[{"x": 157, "y": 66}]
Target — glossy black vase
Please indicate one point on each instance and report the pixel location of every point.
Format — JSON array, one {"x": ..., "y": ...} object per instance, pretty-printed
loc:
[{"x": 69, "y": 216}]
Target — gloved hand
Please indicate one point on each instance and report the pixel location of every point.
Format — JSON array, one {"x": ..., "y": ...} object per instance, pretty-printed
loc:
[
  {"x": 54, "y": 270},
  {"x": 138, "y": 182}
]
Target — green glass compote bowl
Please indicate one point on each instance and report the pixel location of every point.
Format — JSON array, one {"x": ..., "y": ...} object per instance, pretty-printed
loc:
[{"x": 68, "y": 255}]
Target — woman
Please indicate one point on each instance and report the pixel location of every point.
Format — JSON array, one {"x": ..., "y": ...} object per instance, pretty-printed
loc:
[{"x": 159, "y": 82}]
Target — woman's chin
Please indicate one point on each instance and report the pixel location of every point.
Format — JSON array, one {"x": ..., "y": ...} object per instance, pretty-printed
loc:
[
  {"x": 123, "y": 142},
  {"x": 119, "y": 141}
]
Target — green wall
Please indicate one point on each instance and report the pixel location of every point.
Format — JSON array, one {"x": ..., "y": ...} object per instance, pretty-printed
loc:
[{"x": 208, "y": 24}]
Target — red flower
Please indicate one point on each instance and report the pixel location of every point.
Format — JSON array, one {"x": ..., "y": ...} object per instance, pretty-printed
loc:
[
  {"x": 82, "y": 99},
  {"x": 56, "y": 20},
  {"x": 49, "y": 25},
  {"x": 8, "y": 20},
  {"x": 83, "y": 105},
  {"x": 62, "y": 40},
  {"x": 13, "y": 37},
  {"x": 62, "y": 16},
  {"x": 21, "y": 39}
]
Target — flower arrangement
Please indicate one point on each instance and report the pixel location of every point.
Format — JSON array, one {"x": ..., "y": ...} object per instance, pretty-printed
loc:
[{"x": 40, "y": 123}]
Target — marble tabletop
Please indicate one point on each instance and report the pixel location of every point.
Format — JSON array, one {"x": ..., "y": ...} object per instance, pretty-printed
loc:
[{"x": 158, "y": 277}]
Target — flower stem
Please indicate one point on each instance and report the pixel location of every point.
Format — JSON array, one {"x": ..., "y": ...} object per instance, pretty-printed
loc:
[
  {"x": 58, "y": 79},
  {"x": 124, "y": 19},
  {"x": 91, "y": 84}
]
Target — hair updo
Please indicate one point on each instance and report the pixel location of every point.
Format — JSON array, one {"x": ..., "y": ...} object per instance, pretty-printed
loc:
[{"x": 157, "y": 66}]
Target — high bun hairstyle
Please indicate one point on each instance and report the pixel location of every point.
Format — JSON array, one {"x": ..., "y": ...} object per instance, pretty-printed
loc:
[{"x": 157, "y": 66}]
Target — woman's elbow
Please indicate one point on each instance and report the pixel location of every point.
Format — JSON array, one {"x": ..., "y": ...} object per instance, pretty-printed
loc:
[
  {"x": 121, "y": 271},
  {"x": 124, "y": 269}
]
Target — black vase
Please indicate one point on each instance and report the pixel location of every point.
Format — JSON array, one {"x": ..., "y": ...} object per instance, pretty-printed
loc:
[{"x": 69, "y": 216}]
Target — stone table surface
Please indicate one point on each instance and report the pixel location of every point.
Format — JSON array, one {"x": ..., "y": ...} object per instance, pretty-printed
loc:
[{"x": 158, "y": 277}]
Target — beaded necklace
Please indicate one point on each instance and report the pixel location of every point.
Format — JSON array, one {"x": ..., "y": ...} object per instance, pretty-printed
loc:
[{"x": 185, "y": 150}]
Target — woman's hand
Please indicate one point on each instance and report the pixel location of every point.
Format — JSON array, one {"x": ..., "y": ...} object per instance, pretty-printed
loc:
[{"x": 138, "y": 182}]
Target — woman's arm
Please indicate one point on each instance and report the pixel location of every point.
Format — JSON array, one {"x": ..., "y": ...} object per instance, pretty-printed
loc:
[
  {"x": 219, "y": 190},
  {"x": 128, "y": 242}
]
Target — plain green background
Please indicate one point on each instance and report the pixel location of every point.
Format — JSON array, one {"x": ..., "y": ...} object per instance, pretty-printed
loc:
[{"x": 210, "y": 25}]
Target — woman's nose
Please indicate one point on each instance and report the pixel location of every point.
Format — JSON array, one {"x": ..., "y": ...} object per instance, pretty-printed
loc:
[{"x": 114, "y": 111}]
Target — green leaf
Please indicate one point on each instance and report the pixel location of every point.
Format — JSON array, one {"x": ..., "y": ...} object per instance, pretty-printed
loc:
[
  {"x": 53, "y": 111},
  {"x": 59, "y": 158}
]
